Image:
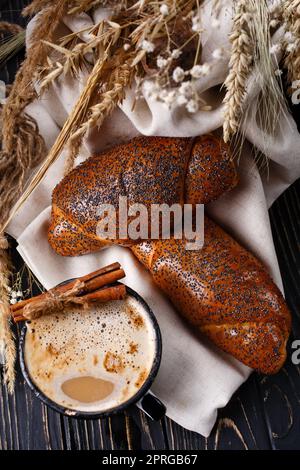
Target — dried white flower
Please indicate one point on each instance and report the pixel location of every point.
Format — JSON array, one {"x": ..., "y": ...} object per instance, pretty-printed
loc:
[
  {"x": 215, "y": 23},
  {"x": 186, "y": 89},
  {"x": 126, "y": 47},
  {"x": 296, "y": 84},
  {"x": 289, "y": 37},
  {"x": 218, "y": 53},
  {"x": 161, "y": 62},
  {"x": 196, "y": 24},
  {"x": 170, "y": 97},
  {"x": 19, "y": 293},
  {"x": 192, "y": 106},
  {"x": 200, "y": 70},
  {"x": 274, "y": 7},
  {"x": 206, "y": 69},
  {"x": 278, "y": 72},
  {"x": 164, "y": 9},
  {"x": 291, "y": 47},
  {"x": 176, "y": 53},
  {"x": 275, "y": 48},
  {"x": 163, "y": 95},
  {"x": 178, "y": 74},
  {"x": 13, "y": 294},
  {"x": 150, "y": 89},
  {"x": 13, "y": 301},
  {"x": 274, "y": 23},
  {"x": 147, "y": 46},
  {"x": 181, "y": 100}
]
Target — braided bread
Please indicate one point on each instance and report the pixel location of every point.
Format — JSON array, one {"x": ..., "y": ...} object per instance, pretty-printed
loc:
[
  {"x": 148, "y": 170},
  {"x": 223, "y": 290},
  {"x": 226, "y": 293}
]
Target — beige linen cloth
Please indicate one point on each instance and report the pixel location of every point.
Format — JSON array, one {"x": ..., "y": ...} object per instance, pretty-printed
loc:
[{"x": 195, "y": 378}]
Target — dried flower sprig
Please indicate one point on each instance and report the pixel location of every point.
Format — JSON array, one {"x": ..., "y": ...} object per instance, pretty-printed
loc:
[{"x": 142, "y": 30}]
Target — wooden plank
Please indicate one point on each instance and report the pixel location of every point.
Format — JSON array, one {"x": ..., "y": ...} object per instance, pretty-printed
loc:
[
  {"x": 281, "y": 393},
  {"x": 240, "y": 425}
]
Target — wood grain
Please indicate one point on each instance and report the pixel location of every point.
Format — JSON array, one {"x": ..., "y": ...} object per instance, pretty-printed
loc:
[{"x": 263, "y": 414}]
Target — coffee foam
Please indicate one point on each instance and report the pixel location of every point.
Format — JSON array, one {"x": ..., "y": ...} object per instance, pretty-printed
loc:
[{"x": 114, "y": 342}]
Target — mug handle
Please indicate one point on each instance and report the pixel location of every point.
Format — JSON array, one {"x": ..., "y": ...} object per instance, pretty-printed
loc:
[{"x": 152, "y": 406}]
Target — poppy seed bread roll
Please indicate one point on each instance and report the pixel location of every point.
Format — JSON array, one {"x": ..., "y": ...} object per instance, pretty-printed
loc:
[
  {"x": 221, "y": 289},
  {"x": 147, "y": 170},
  {"x": 226, "y": 293}
]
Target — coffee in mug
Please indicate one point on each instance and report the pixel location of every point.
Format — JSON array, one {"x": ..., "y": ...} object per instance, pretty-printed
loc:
[{"x": 92, "y": 360}]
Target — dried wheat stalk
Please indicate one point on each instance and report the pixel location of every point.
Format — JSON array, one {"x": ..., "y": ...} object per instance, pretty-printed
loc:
[
  {"x": 22, "y": 149},
  {"x": 23, "y": 92},
  {"x": 240, "y": 65},
  {"x": 36, "y": 6},
  {"x": 6, "y": 336},
  {"x": 270, "y": 105},
  {"x": 12, "y": 28},
  {"x": 11, "y": 45},
  {"x": 291, "y": 15},
  {"x": 78, "y": 115},
  {"x": 86, "y": 5},
  {"x": 120, "y": 78}
]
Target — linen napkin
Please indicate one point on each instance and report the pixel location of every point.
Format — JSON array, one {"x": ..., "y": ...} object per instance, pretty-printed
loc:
[{"x": 195, "y": 378}]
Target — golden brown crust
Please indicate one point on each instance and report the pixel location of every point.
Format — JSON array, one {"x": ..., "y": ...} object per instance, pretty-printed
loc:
[
  {"x": 222, "y": 289},
  {"x": 211, "y": 171},
  {"x": 68, "y": 239},
  {"x": 226, "y": 293},
  {"x": 148, "y": 170}
]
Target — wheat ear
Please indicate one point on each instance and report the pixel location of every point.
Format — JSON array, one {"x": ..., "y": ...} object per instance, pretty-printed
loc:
[
  {"x": 120, "y": 78},
  {"x": 6, "y": 335},
  {"x": 22, "y": 149},
  {"x": 36, "y": 6},
  {"x": 85, "y": 5},
  {"x": 291, "y": 15},
  {"x": 239, "y": 68}
]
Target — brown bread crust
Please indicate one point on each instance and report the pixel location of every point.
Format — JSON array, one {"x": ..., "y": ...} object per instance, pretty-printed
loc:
[
  {"x": 226, "y": 293},
  {"x": 222, "y": 289},
  {"x": 148, "y": 170}
]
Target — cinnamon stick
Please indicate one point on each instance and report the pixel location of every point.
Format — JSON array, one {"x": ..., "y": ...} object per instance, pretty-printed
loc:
[
  {"x": 100, "y": 281},
  {"x": 106, "y": 294},
  {"x": 96, "y": 275}
]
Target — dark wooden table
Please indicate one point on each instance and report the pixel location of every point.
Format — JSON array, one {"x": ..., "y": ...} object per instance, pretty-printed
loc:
[{"x": 263, "y": 414}]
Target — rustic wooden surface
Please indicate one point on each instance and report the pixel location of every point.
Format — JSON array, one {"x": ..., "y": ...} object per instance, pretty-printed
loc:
[{"x": 263, "y": 414}]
